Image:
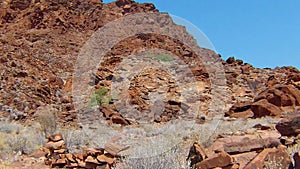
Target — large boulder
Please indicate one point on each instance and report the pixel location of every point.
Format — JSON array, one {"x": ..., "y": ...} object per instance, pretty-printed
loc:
[
  {"x": 263, "y": 108},
  {"x": 289, "y": 126},
  {"x": 246, "y": 143},
  {"x": 221, "y": 159},
  {"x": 240, "y": 110}
]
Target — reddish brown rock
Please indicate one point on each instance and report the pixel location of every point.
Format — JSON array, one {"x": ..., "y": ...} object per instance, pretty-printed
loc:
[
  {"x": 246, "y": 143},
  {"x": 246, "y": 69},
  {"x": 55, "y": 138},
  {"x": 289, "y": 126},
  {"x": 72, "y": 165},
  {"x": 244, "y": 158},
  {"x": 243, "y": 114},
  {"x": 278, "y": 155},
  {"x": 56, "y": 145},
  {"x": 70, "y": 157},
  {"x": 239, "y": 107},
  {"x": 107, "y": 112},
  {"x": 281, "y": 96},
  {"x": 60, "y": 151},
  {"x": 196, "y": 154},
  {"x": 118, "y": 119},
  {"x": 114, "y": 148},
  {"x": 91, "y": 159},
  {"x": 221, "y": 159},
  {"x": 263, "y": 108},
  {"x": 94, "y": 152},
  {"x": 58, "y": 163},
  {"x": 230, "y": 60},
  {"x": 106, "y": 158}
]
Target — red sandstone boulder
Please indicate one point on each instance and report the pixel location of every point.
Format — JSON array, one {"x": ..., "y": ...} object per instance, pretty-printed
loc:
[
  {"x": 221, "y": 159},
  {"x": 263, "y": 108},
  {"x": 196, "y": 154},
  {"x": 246, "y": 143},
  {"x": 244, "y": 158},
  {"x": 289, "y": 126},
  {"x": 240, "y": 110}
]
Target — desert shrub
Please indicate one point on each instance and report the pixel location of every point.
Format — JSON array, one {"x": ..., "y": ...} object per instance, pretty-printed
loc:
[
  {"x": 3, "y": 144},
  {"x": 17, "y": 143},
  {"x": 163, "y": 58},
  {"x": 9, "y": 127},
  {"x": 47, "y": 117},
  {"x": 75, "y": 139},
  {"x": 291, "y": 150},
  {"x": 100, "y": 97},
  {"x": 169, "y": 159},
  {"x": 272, "y": 163}
]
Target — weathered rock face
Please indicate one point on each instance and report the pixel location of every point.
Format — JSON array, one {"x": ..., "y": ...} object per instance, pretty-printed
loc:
[
  {"x": 41, "y": 40},
  {"x": 281, "y": 96},
  {"x": 38, "y": 49}
]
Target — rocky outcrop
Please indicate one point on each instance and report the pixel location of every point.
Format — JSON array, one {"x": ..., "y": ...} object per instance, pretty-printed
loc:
[
  {"x": 271, "y": 102},
  {"x": 57, "y": 155},
  {"x": 246, "y": 143},
  {"x": 260, "y": 150},
  {"x": 40, "y": 42}
]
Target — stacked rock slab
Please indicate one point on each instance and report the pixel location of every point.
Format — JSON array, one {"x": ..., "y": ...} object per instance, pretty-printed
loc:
[{"x": 57, "y": 155}]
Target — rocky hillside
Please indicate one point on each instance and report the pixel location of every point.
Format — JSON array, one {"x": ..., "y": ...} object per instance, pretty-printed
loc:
[{"x": 40, "y": 44}]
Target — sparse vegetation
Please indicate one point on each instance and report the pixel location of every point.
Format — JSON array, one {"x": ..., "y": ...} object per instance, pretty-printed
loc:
[
  {"x": 47, "y": 118},
  {"x": 291, "y": 150},
  {"x": 273, "y": 163},
  {"x": 75, "y": 140},
  {"x": 100, "y": 97},
  {"x": 163, "y": 58},
  {"x": 169, "y": 159},
  {"x": 16, "y": 138}
]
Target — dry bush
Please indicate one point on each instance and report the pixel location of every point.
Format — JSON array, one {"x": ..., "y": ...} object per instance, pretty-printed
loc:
[
  {"x": 17, "y": 143},
  {"x": 168, "y": 160},
  {"x": 273, "y": 163},
  {"x": 75, "y": 140},
  {"x": 47, "y": 117},
  {"x": 291, "y": 150},
  {"x": 16, "y": 138}
]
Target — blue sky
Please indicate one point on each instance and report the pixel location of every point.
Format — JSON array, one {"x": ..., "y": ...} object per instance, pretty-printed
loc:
[{"x": 264, "y": 33}]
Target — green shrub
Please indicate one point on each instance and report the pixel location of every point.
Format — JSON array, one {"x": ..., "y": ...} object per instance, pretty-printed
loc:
[
  {"x": 163, "y": 58},
  {"x": 100, "y": 97}
]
